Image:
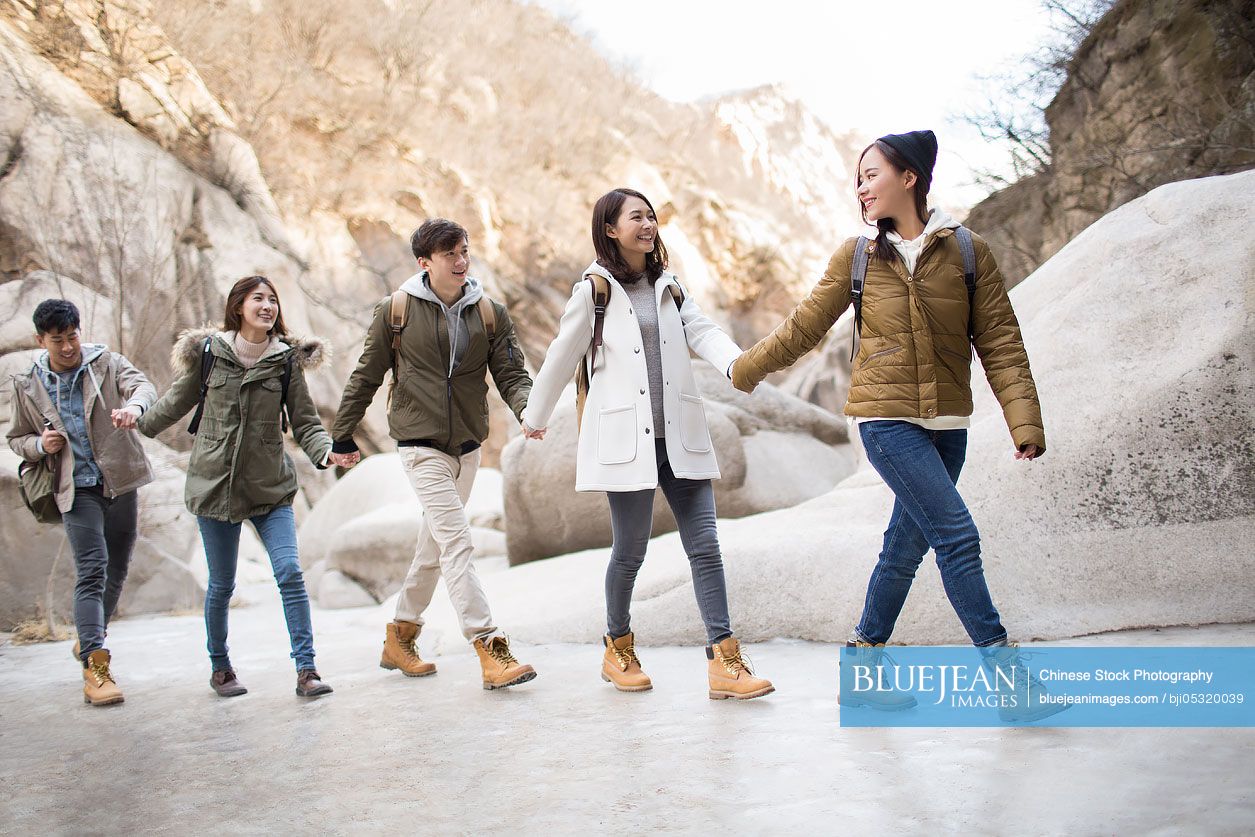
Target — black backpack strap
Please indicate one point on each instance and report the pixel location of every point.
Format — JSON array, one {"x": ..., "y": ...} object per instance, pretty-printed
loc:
[
  {"x": 964, "y": 236},
  {"x": 206, "y": 366},
  {"x": 284, "y": 411},
  {"x": 858, "y": 277}
]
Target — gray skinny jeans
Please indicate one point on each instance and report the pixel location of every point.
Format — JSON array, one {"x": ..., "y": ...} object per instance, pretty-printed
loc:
[
  {"x": 631, "y": 519},
  {"x": 102, "y": 533}
]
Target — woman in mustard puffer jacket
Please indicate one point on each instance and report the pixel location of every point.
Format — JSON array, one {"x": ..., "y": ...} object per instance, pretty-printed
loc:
[{"x": 910, "y": 389}]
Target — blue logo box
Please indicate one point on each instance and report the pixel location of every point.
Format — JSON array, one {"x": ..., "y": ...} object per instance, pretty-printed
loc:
[{"x": 1057, "y": 686}]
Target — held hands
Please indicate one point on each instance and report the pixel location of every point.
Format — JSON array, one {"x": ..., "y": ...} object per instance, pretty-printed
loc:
[
  {"x": 344, "y": 460},
  {"x": 1028, "y": 452},
  {"x": 125, "y": 418},
  {"x": 52, "y": 441},
  {"x": 532, "y": 433}
]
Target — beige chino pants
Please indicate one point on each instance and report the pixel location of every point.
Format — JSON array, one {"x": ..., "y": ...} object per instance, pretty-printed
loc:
[{"x": 443, "y": 485}]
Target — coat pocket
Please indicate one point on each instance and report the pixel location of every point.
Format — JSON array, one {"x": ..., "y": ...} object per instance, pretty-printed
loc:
[
  {"x": 616, "y": 435},
  {"x": 879, "y": 354},
  {"x": 694, "y": 433}
]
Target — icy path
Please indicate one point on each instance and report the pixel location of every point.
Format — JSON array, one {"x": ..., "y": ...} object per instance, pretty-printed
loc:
[{"x": 564, "y": 754}]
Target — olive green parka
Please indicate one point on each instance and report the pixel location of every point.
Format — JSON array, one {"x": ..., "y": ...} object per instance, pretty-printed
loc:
[{"x": 239, "y": 468}]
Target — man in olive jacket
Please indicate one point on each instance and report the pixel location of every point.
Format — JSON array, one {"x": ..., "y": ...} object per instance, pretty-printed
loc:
[
  {"x": 79, "y": 405},
  {"x": 438, "y": 414}
]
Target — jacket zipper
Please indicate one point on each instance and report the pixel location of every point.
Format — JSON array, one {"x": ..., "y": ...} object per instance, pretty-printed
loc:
[
  {"x": 448, "y": 380},
  {"x": 449, "y": 402},
  {"x": 870, "y": 358}
]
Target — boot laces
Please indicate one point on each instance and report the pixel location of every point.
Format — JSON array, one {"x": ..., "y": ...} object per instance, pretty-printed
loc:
[
  {"x": 735, "y": 663},
  {"x": 499, "y": 650},
  {"x": 100, "y": 671},
  {"x": 410, "y": 648},
  {"x": 625, "y": 656}
]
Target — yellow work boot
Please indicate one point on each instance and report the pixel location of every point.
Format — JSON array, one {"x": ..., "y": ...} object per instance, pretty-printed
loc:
[
  {"x": 400, "y": 652},
  {"x": 730, "y": 675},
  {"x": 622, "y": 667},
  {"x": 500, "y": 667},
  {"x": 98, "y": 686}
]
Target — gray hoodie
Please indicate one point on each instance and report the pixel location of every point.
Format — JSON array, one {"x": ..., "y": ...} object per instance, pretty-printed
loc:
[
  {"x": 419, "y": 286},
  {"x": 67, "y": 394}
]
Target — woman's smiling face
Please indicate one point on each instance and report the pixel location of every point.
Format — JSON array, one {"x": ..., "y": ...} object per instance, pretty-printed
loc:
[
  {"x": 884, "y": 191},
  {"x": 636, "y": 228}
]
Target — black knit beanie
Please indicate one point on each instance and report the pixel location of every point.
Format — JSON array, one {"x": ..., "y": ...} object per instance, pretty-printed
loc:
[{"x": 918, "y": 148}]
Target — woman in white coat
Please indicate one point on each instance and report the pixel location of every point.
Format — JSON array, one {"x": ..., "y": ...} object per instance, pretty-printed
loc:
[{"x": 644, "y": 426}]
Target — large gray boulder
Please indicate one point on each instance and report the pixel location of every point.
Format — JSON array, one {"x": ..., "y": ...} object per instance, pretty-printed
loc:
[
  {"x": 1142, "y": 511},
  {"x": 774, "y": 451}
]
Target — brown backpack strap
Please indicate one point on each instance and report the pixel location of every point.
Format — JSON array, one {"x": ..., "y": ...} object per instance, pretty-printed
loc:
[
  {"x": 584, "y": 376},
  {"x": 601, "y": 298},
  {"x": 676, "y": 294},
  {"x": 489, "y": 315},
  {"x": 396, "y": 319},
  {"x": 398, "y": 311}
]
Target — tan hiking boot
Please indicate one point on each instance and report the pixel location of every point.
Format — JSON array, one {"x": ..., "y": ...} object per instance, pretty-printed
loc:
[
  {"x": 730, "y": 675},
  {"x": 400, "y": 652},
  {"x": 622, "y": 667},
  {"x": 500, "y": 667},
  {"x": 99, "y": 689},
  {"x": 863, "y": 656}
]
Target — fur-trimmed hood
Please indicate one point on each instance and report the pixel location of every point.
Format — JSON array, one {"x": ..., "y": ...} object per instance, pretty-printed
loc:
[{"x": 311, "y": 352}]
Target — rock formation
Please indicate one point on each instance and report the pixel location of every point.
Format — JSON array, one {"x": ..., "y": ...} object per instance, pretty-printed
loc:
[{"x": 1158, "y": 92}]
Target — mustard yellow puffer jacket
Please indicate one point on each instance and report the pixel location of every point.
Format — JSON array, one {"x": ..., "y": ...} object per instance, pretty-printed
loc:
[{"x": 914, "y": 358}]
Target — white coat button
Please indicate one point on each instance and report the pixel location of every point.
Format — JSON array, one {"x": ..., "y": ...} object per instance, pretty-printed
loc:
[
  {"x": 646, "y": 431},
  {"x": 642, "y": 392},
  {"x": 637, "y": 350}
]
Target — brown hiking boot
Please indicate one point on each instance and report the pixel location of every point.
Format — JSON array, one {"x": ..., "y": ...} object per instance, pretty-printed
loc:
[
  {"x": 730, "y": 675},
  {"x": 224, "y": 682},
  {"x": 309, "y": 684},
  {"x": 400, "y": 652},
  {"x": 622, "y": 667},
  {"x": 500, "y": 667},
  {"x": 99, "y": 689}
]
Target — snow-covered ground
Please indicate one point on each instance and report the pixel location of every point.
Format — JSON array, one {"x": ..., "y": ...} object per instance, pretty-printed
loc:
[{"x": 565, "y": 754}]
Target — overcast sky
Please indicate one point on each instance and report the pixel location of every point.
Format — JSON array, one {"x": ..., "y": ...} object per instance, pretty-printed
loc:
[{"x": 876, "y": 67}]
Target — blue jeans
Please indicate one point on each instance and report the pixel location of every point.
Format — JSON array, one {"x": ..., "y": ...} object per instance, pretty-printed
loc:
[
  {"x": 277, "y": 530},
  {"x": 631, "y": 519},
  {"x": 921, "y": 467}
]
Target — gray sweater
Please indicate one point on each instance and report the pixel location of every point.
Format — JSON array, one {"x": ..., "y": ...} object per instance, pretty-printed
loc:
[{"x": 644, "y": 303}]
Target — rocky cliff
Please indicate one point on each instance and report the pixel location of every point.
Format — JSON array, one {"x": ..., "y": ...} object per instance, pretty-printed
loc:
[
  {"x": 1158, "y": 92},
  {"x": 155, "y": 152}
]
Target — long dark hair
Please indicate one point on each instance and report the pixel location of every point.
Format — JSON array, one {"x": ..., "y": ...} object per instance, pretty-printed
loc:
[
  {"x": 920, "y": 189},
  {"x": 234, "y": 316},
  {"x": 606, "y": 211}
]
